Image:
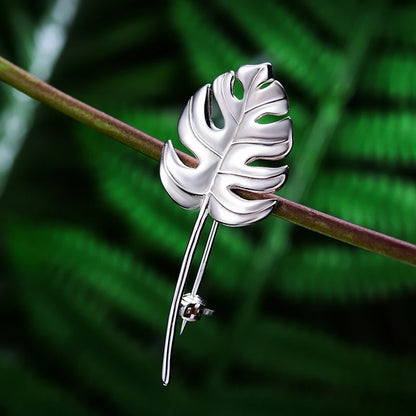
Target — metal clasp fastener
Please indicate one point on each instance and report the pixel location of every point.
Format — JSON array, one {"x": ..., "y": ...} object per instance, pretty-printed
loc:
[{"x": 193, "y": 307}]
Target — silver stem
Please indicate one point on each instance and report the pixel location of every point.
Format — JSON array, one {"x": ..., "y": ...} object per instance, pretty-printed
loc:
[
  {"x": 180, "y": 284},
  {"x": 205, "y": 256},
  {"x": 203, "y": 264}
]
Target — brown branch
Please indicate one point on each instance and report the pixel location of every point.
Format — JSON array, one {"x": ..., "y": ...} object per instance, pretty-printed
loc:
[
  {"x": 90, "y": 116},
  {"x": 288, "y": 210},
  {"x": 345, "y": 231}
]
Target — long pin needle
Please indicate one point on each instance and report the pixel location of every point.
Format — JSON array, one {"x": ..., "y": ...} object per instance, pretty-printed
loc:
[
  {"x": 203, "y": 264},
  {"x": 177, "y": 296}
]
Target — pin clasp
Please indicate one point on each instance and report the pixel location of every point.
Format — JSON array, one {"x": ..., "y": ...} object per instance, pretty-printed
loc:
[{"x": 193, "y": 307}]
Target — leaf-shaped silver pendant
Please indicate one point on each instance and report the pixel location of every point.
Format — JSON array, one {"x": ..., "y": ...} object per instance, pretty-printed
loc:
[{"x": 224, "y": 155}]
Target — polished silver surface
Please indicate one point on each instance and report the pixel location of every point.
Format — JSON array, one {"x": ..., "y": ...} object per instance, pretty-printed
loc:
[
  {"x": 224, "y": 156},
  {"x": 224, "y": 153}
]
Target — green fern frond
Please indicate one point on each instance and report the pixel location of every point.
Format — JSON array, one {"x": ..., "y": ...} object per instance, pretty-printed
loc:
[
  {"x": 401, "y": 27},
  {"x": 335, "y": 17},
  {"x": 349, "y": 274},
  {"x": 98, "y": 356},
  {"x": 374, "y": 201},
  {"x": 74, "y": 318},
  {"x": 23, "y": 389},
  {"x": 23, "y": 26},
  {"x": 209, "y": 50},
  {"x": 291, "y": 45},
  {"x": 304, "y": 401},
  {"x": 113, "y": 40},
  {"x": 85, "y": 266},
  {"x": 390, "y": 75},
  {"x": 385, "y": 138},
  {"x": 131, "y": 85},
  {"x": 311, "y": 355}
]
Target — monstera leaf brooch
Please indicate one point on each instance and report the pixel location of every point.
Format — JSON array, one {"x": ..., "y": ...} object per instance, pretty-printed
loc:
[{"x": 224, "y": 156}]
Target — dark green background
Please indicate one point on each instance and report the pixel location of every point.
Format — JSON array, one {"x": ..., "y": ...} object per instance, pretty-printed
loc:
[{"x": 91, "y": 244}]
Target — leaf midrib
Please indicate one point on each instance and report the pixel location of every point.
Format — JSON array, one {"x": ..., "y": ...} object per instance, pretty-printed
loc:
[{"x": 234, "y": 134}]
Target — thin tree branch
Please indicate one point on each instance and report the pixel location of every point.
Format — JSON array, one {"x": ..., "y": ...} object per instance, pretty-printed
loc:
[
  {"x": 110, "y": 126},
  {"x": 288, "y": 210},
  {"x": 345, "y": 231}
]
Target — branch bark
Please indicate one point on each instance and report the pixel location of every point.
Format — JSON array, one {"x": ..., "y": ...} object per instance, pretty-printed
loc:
[{"x": 150, "y": 146}]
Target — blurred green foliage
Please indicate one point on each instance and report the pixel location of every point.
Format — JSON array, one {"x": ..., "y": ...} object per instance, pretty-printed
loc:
[{"x": 92, "y": 244}]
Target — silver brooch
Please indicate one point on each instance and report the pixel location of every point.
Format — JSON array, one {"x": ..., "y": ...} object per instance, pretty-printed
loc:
[{"x": 224, "y": 156}]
